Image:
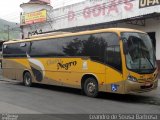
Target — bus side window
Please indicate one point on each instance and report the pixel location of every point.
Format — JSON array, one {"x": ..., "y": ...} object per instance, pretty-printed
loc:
[
  {"x": 16, "y": 50},
  {"x": 44, "y": 48},
  {"x": 112, "y": 51},
  {"x": 113, "y": 57}
]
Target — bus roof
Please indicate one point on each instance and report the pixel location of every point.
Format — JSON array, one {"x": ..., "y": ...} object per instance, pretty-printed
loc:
[{"x": 116, "y": 30}]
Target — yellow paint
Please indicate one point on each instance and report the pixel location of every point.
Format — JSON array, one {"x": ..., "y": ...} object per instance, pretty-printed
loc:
[{"x": 34, "y": 17}]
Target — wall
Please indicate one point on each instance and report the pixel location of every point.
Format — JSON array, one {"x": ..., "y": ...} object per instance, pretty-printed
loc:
[{"x": 98, "y": 12}]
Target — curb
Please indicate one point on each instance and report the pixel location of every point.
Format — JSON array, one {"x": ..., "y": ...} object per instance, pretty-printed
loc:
[{"x": 7, "y": 80}]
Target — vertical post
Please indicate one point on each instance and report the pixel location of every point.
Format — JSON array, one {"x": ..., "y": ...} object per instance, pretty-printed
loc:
[
  {"x": 22, "y": 22},
  {"x": 8, "y": 31},
  {"x": 22, "y": 36}
]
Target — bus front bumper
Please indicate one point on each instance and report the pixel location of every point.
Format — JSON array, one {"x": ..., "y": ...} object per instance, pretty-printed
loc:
[{"x": 140, "y": 87}]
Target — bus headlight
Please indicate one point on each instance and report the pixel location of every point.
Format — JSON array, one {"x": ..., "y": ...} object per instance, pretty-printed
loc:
[{"x": 131, "y": 78}]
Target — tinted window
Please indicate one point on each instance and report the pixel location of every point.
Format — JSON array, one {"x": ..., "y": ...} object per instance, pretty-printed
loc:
[
  {"x": 110, "y": 38},
  {"x": 102, "y": 47},
  {"x": 113, "y": 57},
  {"x": 16, "y": 49},
  {"x": 112, "y": 52},
  {"x": 43, "y": 48},
  {"x": 93, "y": 45},
  {"x": 76, "y": 46},
  {"x": 62, "y": 44},
  {"x": 86, "y": 45},
  {"x": 49, "y": 48}
]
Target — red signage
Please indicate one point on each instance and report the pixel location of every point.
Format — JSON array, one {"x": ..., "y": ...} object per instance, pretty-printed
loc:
[{"x": 102, "y": 9}]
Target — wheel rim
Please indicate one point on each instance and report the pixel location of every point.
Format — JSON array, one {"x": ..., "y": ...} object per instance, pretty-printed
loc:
[
  {"x": 91, "y": 87},
  {"x": 27, "y": 79}
]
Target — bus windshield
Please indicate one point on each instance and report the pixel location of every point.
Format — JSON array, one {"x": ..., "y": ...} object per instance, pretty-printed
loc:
[{"x": 140, "y": 56}]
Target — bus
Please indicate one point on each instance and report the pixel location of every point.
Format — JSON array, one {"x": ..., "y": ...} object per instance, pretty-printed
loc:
[{"x": 116, "y": 60}]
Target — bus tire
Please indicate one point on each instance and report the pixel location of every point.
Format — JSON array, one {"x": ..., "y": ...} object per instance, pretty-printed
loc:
[
  {"x": 91, "y": 87},
  {"x": 27, "y": 79}
]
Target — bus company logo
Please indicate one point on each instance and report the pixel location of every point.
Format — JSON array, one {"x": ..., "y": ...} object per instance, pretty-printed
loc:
[
  {"x": 66, "y": 66},
  {"x": 148, "y": 3}
]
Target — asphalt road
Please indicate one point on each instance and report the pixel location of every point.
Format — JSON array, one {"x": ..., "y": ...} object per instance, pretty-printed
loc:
[{"x": 44, "y": 99}]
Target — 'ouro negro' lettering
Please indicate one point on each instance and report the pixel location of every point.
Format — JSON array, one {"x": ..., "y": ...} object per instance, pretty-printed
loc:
[{"x": 66, "y": 66}]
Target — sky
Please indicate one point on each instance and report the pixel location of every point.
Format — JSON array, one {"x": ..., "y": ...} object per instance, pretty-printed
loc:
[{"x": 10, "y": 9}]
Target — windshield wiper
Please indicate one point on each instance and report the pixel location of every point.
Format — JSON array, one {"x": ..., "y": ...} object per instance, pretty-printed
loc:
[
  {"x": 145, "y": 57},
  {"x": 148, "y": 61}
]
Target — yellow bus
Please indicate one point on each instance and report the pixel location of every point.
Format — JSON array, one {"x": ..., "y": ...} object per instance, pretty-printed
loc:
[{"x": 116, "y": 60}]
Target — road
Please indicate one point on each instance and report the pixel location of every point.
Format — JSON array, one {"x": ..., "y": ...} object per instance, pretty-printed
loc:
[{"x": 44, "y": 99}]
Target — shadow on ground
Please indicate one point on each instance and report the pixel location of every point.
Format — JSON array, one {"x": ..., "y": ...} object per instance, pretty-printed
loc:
[
  {"x": 131, "y": 98},
  {"x": 128, "y": 98}
]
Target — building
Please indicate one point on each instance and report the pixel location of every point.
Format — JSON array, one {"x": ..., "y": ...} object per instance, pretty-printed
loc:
[
  {"x": 35, "y": 17},
  {"x": 92, "y": 14}
]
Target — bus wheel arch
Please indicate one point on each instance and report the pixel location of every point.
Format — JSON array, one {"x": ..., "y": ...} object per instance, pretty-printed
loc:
[
  {"x": 86, "y": 80},
  {"x": 27, "y": 78}
]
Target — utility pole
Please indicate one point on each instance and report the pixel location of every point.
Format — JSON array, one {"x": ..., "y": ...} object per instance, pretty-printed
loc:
[
  {"x": 8, "y": 30},
  {"x": 22, "y": 21}
]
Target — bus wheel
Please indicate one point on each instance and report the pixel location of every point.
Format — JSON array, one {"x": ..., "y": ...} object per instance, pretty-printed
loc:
[
  {"x": 91, "y": 87},
  {"x": 27, "y": 79}
]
